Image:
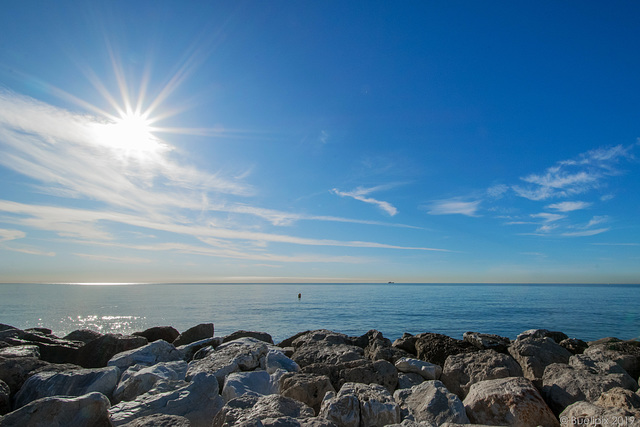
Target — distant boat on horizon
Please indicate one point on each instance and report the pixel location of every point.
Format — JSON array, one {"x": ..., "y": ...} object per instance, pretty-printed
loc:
[{"x": 390, "y": 283}]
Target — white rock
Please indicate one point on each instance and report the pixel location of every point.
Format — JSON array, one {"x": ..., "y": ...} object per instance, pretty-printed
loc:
[
  {"x": 150, "y": 354},
  {"x": 259, "y": 383},
  {"x": 275, "y": 359},
  {"x": 139, "y": 379},
  {"x": 430, "y": 402},
  {"x": 426, "y": 370},
  {"x": 360, "y": 405}
]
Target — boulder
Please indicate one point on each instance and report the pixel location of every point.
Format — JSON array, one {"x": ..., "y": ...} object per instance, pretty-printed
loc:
[
  {"x": 251, "y": 408},
  {"x": 306, "y": 388},
  {"x": 511, "y": 401},
  {"x": 587, "y": 413},
  {"x": 261, "y": 336},
  {"x": 323, "y": 346},
  {"x": 196, "y": 333},
  {"x": 426, "y": 370},
  {"x": 535, "y": 354},
  {"x": 258, "y": 383},
  {"x": 82, "y": 335},
  {"x": 239, "y": 355},
  {"x": 618, "y": 352},
  {"x": 406, "y": 343},
  {"x": 198, "y": 401},
  {"x": 409, "y": 380},
  {"x": 543, "y": 333},
  {"x": 430, "y": 402},
  {"x": 360, "y": 405},
  {"x": 90, "y": 410},
  {"x": 487, "y": 341},
  {"x": 166, "y": 333},
  {"x": 289, "y": 422},
  {"x": 96, "y": 353},
  {"x": 563, "y": 384},
  {"x": 377, "y": 347},
  {"x": 139, "y": 379},
  {"x": 619, "y": 397},
  {"x": 463, "y": 370},
  {"x": 189, "y": 350},
  {"x": 275, "y": 360},
  {"x": 77, "y": 382},
  {"x": 574, "y": 345},
  {"x": 288, "y": 342},
  {"x": 5, "y": 398},
  {"x": 20, "y": 351},
  {"x": 358, "y": 371},
  {"x": 159, "y": 420},
  {"x": 15, "y": 371},
  {"x": 435, "y": 348},
  {"x": 149, "y": 354},
  {"x": 52, "y": 349}
]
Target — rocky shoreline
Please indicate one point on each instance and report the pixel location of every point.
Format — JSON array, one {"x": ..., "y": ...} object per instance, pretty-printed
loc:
[{"x": 161, "y": 377}]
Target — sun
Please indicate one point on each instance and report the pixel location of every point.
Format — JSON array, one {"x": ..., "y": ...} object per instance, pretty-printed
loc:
[{"x": 131, "y": 135}]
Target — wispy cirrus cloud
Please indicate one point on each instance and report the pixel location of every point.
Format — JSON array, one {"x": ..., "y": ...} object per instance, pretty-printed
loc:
[
  {"x": 454, "y": 206},
  {"x": 360, "y": 194},
  {"x": 568, "y": 206}
]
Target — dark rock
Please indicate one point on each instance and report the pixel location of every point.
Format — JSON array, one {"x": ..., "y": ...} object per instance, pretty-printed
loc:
[
  {"x": 254, "y": 408},
  {"x": 288, "y": 342},
  {"x": 15, "y": 371},
  {"x": 488, "y": 341},
  {"x": 97, "y": 353},
  {"x": 262, "y": 336},
  {"x": 21, "y": 351},
  {"x": 574, "y": 345},
  {"x": 82, "y": 335},
  {"x": 5, "y": 398},
  {"x": 196, "y": 333},
  {"x": 166, "y": 333},
  {"x": 90, "y": 410},
  {"x": 543, "y": 333},
  {"x": 159, "y": 420},
  {"x": 407, "y": 343},
  {"x": 44, "y": 331},
  {"x": 4, "y": 327},
  {"x": 435, "y": 348},
  {"x": 326, "y": 347},
  {"x": 377, "y": 347},
  {"x": 52, "y": 349},
  {"x": 358, "y": 371},
  {"x": 189, "y": 350}
]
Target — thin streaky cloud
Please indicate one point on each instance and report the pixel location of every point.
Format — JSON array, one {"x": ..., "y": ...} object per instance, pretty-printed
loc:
[
  {"x": 117, "y": 259},
  {"x": 360, "y": 193},
  {"x": 616, "y": 244},
  {"x": 6, "y": 235},
  {"x": 454, "y": 206},
  {"x": 569, "y": 206},
  {"x": 585, "y": 233}
]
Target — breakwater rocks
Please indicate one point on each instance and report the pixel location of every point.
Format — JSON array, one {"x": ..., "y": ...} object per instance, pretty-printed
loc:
[{"x": 160, "y": 377}]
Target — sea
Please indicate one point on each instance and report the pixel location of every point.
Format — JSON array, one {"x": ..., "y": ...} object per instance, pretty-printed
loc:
[{"x": 588, "y": 312}]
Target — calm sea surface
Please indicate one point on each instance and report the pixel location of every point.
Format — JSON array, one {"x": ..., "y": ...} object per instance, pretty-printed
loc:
[{"x": 583, "y": 311}]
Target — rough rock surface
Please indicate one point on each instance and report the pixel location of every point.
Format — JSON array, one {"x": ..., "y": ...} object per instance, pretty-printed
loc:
[
  {"x": 15, "y": 371},
  {"x": 508, "y": 401},
  {"x": 150, "y": 354},
  {"x": 254, "y": 382},
  {"x": 360, "y": 405},
  {"x": 358, "y": 371},
  {"x": 252, "y": 409},
  {"x": 574, "y": 345},
  {"x": 618, "y": 352},
  {"x": 96, "y": 353},
  {"x": 619, "y": 397},
  {"x": 377, "y": 347},
  {"x": 5, "y": 398},
  {"x": 159, "y": 420},
  {"x": 586, "y": 412},
  {"x": 196, "y": 333},
  {"x": 243, "y": 354},
  {"x": 406, "y": 343},
  {"x": 435, "y": 348},
  {"x": 198, "y": 401},
  {"x": 463, "y": 370},
  {"x": 275, "y": 359},
  {"x": 431, "y": 402},
  {"x": 426, "y": 370},
  {"x": 21, "y": 351},
  {"x": 82, "y": 335},
  {"x": 324, "y": 346},
  {"x": 89, "y": 410},
  {"x": 543, "y": 333},
  {"x": 487, "y": 341},
  {"x": 564, "y": 384},
  {"x": 139, "y": 379},
  {"x": 189, "y": 350},
  {"x": 52, "y": 349},
  {"x": 261, "y": 336},
  {"x": 166, "y": 333},
  {"x": 535, "y": 354},
  {"x": 408, "y": 380},
  {"x": 306, "y": 388},
  {"x": 70, "y": 383}
]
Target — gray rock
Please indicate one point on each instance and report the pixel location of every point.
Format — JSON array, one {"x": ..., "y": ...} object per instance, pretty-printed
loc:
[
  {"x": 543, "y": 333},
  {"x": 508, "y": 401},
  {"x": 196, "y": 333},
  {"x": 306, "y": 388},
  {"x": 628, "y": 362},
  {"x": 96, "y": 353},
  {"x": 409, "y": 380},
  {"x": 90, "y": 410},
  {"x": 70, "y": 383},
  {"x": 293, "y": 422},
  {"x": 574, "y": 345},
  {"x": 15, "y": 371},
  {"x": 82, "y": 335},
  {"x": 189, "y": 350},
  {"x": 149, "y": 354},
  {"x": 21, "y": 351},
  {"x": 430, "y": 402},
  {"x": 587, "y": 412},
  {"x": 275, "y": 359},
  {"x": 406, "y": 343},
  {"x": 487, "y": 341},
  {"x": 243, "y": 354},
  {"x": 535, "y": 354},
  {"x": 324, "y": 346},
  {"x": 199, "y": 401},
  {"x": 252, "y": 409},
  {"x": 159, "y": 420},
  {"x": 427, "y": 370},
  {"x": 357, "y": 371},
  {"x": 360, "y": 405},
  {"x": 5, "y": 398},
  {"x": 52, "y": 349},
  {"x": 463, "y": 370},
  {"x": 377, "y": 347},
  {"x": 166, "y": 333},
  {"x": 261, "y": 336},
  {"x": 564, "y": 385},
  {"x": 139, "y": 379},
  {"x": 255, "y": 382}
]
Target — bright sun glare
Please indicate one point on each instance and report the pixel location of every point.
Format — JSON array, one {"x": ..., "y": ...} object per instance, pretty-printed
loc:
[{"x": 130, "y": 135}]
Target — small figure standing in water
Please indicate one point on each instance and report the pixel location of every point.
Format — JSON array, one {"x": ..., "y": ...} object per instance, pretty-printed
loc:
[{"x": 299, "y": 296}]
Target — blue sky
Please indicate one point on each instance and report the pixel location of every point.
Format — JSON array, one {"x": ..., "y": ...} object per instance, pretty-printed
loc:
[{"x": 228, "y": 141}]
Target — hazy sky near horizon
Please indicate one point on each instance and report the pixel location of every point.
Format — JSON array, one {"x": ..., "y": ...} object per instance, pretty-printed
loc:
[{"x": 370, "y": 141}]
